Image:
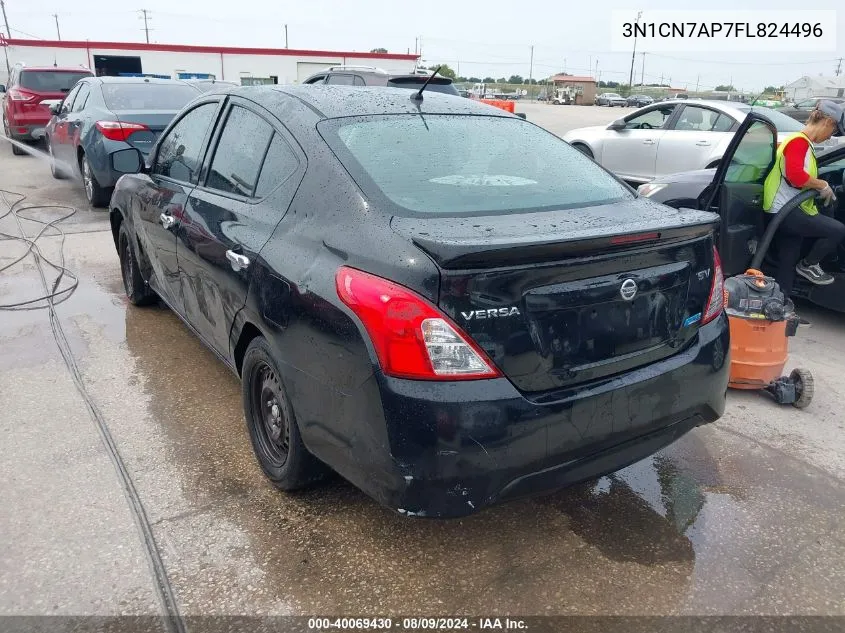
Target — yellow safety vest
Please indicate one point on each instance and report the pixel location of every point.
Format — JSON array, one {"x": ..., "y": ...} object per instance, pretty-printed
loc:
[{"x": 776, "y": 177}]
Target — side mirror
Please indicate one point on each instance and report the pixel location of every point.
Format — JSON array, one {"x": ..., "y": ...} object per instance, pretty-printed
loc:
[
  {"x": 2, "y": 88},
  {"x": 56, "y": 108},
  {"x": 618, "y": 124},
  {"x": 128, "y": 161}
]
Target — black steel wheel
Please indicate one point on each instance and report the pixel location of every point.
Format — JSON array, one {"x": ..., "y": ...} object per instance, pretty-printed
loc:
[
  {"x": 137, "y": 290},
  {"x": 272, "y": 424},
  {"x": 804, "y": 387}
]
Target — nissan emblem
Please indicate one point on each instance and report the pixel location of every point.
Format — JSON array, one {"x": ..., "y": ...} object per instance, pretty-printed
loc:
[{"x": 628, "y": 289}]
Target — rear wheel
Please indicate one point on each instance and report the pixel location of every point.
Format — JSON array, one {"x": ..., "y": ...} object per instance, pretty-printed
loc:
[
  {"x": 137, "y": 290},
  {"x": 17, "y": 151},
  {"x": 272, "y": 424},
  {"x": 57, "y": 171},
  {"x": 804, "y": 387},
  {"x": 97, "y": 196}
]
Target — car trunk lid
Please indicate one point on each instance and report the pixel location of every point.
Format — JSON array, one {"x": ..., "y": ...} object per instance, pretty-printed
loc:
[
  {"x": 155, "y": 120},
  {"x": 562, "y": 298}
]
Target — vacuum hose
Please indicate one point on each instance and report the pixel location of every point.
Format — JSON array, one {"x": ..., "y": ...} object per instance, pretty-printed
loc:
[{"x": 776, "y": 221}]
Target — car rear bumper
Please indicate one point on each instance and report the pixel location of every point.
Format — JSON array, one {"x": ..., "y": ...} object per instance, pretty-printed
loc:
[
  {"x": 452, "y": 448},
  {"x": 27, "y": 132}
]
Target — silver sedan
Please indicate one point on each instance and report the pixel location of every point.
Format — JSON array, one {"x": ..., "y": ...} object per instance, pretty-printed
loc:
[{"x": 669, "y": 137}]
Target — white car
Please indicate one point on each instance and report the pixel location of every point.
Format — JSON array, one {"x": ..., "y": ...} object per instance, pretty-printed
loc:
[{"x": 669, "y": 137}]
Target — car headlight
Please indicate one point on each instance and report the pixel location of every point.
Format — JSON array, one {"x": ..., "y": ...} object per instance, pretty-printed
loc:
[{"x": 649, "y": 189}]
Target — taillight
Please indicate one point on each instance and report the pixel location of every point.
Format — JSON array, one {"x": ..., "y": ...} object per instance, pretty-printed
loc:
[
  {"x": 118, "y": 130},
  {"x": 717, "y": 299},
  {"x": 16, "y": 94},
  {"x": 412, "y": 338}
]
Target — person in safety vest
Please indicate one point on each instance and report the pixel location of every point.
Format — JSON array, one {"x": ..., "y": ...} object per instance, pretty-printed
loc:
[{"x": 795, "y": 170}]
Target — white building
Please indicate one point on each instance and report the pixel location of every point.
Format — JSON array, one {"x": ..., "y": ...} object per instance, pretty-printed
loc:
[
  {"x": 266, "y": 65},
  {"x": 818, "y": 86}
]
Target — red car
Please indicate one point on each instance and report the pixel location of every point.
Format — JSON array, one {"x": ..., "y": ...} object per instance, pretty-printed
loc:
[{"x": 25, "y": 113}]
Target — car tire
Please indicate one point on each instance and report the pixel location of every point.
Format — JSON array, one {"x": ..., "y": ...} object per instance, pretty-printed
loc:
[
  {"x": 98, "y": 196},
  {"x": 17, "y": 151},
  {"x": 271, "y": 422},
  {"x": 57, "y": 172},
  {"x": 137, "y": 290},
  {"x": 583, "y": 149}
]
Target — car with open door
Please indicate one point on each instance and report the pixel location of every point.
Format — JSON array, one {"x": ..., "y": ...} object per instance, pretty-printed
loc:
[
  {"x": 735, "y": 192},
  {"x": 413, "y": 301}
]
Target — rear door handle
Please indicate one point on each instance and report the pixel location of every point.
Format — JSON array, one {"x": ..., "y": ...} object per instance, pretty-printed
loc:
[
  {"x": 703, "y": 143},
  {"x": 239, "y": 262},
  {"x": 648, "y": 141},
  {"x": 167, "y": 221}
]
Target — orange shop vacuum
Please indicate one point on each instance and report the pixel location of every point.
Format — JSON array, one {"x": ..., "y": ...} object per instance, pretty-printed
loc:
[{"x": 762, "y": 320}]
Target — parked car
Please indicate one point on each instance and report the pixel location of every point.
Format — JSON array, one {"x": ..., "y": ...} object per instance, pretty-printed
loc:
[
  {"x": 800, "y": 111},
  {"x": 393, "y": 315},
  {"x": 735, "y": 192},
  {"x": 638, "y": 101},
  {"x": 206, "y": 85},
  {"x": 103, "y": 115},
  {"x": 668, "y": 137},
  {"x": 611, "y": 99},
  {"x": 370, "y": 76},
  {"x": 25, "y": 113}
]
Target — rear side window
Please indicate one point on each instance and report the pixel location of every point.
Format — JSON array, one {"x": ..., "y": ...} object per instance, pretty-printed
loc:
[
  {"x": 724, "y": 123},
  {"x": 467, "y": 164},
  {"x": 279, "y": 165},
  {"x": 147, "y": 96},
  {"x": 239, "y": 153},
  {"x": 81, "y": 98},
  {"x": 179, "y": 153},
  {"x": 50, "y": 80},
  {"x": 341, "y": 80}
]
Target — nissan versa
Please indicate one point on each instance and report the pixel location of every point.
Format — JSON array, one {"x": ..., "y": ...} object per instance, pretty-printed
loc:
[{"x": 413, "y": 301}]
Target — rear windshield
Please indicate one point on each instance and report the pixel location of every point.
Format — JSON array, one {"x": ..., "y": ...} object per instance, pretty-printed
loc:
[
  {"x": 50, "y": 80},
  {"x": 436, "y": 85},
  {"x": 147, "y": 96},
  {"x": 467, "y": 164},
  {"x": 783, "y": 123}
]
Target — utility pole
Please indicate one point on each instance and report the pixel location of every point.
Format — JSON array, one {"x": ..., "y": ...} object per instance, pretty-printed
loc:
[
  {"x": 531, "y": 69},
  {"x": 839, "y": 67},
  {"x": 642, "y": 75},
  {"x": 634, "y": 52},
  {"x": 697, "y": 80},
  {"x": 286, "y": 35},
  {"x": 6, "y": 20},
  {"x": 58, "y": 32},
  {"x": 146, "y": 26}
]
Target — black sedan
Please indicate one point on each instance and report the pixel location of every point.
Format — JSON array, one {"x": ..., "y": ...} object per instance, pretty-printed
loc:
[
  {"x": 411, "y": 300},
  {"x": 638, "y": 101}
]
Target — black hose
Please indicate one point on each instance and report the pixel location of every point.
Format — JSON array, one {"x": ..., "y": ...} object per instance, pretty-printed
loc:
[{"x": 776, "y": 221}]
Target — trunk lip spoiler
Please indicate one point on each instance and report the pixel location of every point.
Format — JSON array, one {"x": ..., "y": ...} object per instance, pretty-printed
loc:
[{"x": 472, "y": 253}]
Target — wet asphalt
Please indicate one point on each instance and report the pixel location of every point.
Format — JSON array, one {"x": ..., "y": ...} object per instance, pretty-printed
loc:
[{"x": 740, "y": 517}]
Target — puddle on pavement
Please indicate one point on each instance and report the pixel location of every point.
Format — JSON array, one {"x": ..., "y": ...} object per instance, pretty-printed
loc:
[{"x": 670, "y": 533}]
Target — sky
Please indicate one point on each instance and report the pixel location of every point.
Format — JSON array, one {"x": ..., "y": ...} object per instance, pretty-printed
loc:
[{"x": 476, "y": 37}]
